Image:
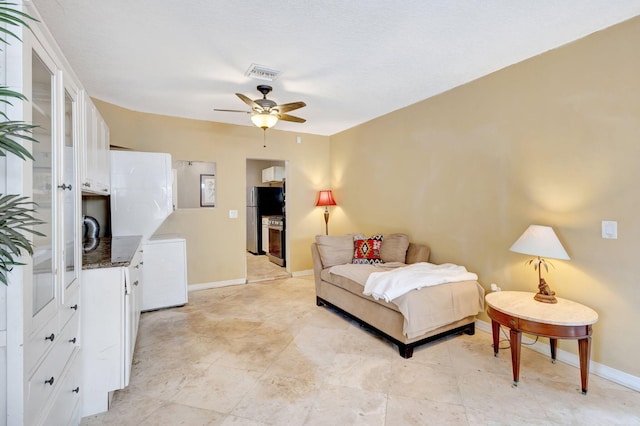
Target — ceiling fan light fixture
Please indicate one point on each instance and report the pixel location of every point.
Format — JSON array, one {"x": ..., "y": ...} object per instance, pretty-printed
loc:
[
  {"x": 265, "y": 113},
  {"x": 264, "y": 120}
]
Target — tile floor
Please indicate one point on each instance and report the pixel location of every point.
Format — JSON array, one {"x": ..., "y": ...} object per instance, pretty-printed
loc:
[
  {"x": 260, "y": 268},
  {"x": 265, "y": 354}
]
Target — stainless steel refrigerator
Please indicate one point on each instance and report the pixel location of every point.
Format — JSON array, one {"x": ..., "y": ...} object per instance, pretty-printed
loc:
[{"x": 261, "y": 201}]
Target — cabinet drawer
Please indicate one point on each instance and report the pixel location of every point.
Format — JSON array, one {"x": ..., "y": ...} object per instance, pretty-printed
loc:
[
  {"x": 43, "y": 383},
  {"x": 68, "y": 397},
  {"x": 40, "y": 343},
  {"x": 70, "y": 306},
  {"x": 40, "y": 388},
  {"x": 69, "y": 339}
]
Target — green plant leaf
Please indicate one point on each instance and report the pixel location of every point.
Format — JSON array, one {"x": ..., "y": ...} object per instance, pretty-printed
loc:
[
  {"x": 17, "y": 213},
  {"x": 6, "y": 92},
  {"x": 16, "y": 222},
  {"x": 13, "y": 17},
  {"x": 10, "y": 134}
]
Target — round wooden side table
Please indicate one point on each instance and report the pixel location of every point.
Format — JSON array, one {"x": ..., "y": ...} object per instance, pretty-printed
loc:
[{"x": 563, "y": 320}]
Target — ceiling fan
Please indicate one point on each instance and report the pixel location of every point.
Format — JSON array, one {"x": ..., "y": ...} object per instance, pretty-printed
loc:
[{"x": 265, "y": 113}]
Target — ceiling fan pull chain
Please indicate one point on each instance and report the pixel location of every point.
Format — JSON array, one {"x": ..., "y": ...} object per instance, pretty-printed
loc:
[{"x": 264, "y": 138}]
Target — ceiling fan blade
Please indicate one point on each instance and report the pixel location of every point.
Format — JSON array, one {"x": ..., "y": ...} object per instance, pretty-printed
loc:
[
  {"x": 290, "y": 106},
  {"x": 254, "y": 106},
  {"x": 287, "y": 117},
  {"x": 231, "y": 110}
]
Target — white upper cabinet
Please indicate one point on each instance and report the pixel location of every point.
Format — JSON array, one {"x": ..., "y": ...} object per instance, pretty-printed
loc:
[
  {"x": 95, "y": 162},
  {"x": 273, "y": 174}
]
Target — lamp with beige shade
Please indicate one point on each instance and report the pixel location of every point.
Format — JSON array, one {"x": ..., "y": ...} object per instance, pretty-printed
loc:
[{"x": 542, "y": 242}]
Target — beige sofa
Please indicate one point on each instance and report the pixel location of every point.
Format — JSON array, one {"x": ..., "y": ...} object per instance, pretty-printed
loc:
[{"x": 346, "y": 296}]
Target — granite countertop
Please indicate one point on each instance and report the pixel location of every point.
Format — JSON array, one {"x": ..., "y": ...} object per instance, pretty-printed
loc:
[{"x": 111, "y": 252}]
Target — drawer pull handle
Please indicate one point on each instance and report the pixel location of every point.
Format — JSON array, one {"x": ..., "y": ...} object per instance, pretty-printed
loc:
[
  {"x": 72, "y": 340},
  {"x": 64, "y": 186},
  {"x": 74, "y": 307},
  {"x": 137, "y": 266},
  {"x": 86, "y": 184},
  {"x": 135, "y": 282},
  {"x": 76, "y": 390},
  {"x": 53, "y": 336},
  {"x": 50, "y": 381},
  {"x": 141, "y": 262}
]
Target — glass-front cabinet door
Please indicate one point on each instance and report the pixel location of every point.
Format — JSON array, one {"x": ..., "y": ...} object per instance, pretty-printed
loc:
[
  {"x": 44, "y": 153},
  {"x": 56, "y": 260},
  {"x": 69, "y": 189}
]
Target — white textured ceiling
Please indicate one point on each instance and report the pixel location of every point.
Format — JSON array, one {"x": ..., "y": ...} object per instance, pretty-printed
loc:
[{"x": 350, "y": 61}]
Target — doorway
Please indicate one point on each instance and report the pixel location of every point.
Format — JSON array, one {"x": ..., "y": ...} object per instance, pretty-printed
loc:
[{"x": 265, "y": 207}]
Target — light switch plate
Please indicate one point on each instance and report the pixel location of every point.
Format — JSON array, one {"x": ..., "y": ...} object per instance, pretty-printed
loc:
[
  {"x": 610, "y": 229},
  {"x": 233, "y": 214}
]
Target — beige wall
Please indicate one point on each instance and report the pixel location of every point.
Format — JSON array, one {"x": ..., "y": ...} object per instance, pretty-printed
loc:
[
  {"x": 216, "y": 244},
  {"x": 554, "y": 140}
]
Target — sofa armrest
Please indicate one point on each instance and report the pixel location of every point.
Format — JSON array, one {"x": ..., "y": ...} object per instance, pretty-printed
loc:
[
  {"x": 317, "y": 262},
  {"x": 417, "y": 253}
]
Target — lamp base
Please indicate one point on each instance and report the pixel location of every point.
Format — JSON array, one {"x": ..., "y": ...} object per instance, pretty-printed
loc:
[
  {"x": 544, "y": 294},
  {"x": 326, "y": 220},
  {"x": 544, "y": 298}
]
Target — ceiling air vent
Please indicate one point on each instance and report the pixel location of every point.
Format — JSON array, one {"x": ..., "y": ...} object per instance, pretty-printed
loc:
[{"x": 261, "y": 72}]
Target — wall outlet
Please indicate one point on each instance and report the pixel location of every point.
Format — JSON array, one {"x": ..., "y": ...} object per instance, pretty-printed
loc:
[{"x": 233, "y": 214}]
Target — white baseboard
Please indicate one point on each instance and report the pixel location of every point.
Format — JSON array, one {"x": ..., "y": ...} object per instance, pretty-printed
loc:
[
  {"x": 216, "y": 284},
  {"x": 601, "y": 370}
]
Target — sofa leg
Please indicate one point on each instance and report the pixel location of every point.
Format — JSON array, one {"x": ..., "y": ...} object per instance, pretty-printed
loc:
[
  {"x": 405, "y": 351},
  {"x": 319, "y": 301}
]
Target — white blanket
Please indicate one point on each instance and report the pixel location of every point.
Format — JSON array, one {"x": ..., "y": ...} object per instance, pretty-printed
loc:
[{"x": 392, "y": 284}]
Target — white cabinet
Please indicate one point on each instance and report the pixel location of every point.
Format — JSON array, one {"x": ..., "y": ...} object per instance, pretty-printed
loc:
[
  {"x": 39, "y": 308},
  {"x": 165, "y": 272},
  {"x": 110, "y": 318},
  {"x": 133, "y": 297},
  {"x": 96, "y": 158},
  {"x": 273, "y": 174}
]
